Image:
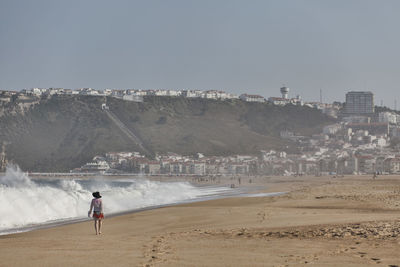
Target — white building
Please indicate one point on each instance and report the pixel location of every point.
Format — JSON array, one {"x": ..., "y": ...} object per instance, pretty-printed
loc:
[
  {"x": 331, "y": 129},
  {"x": 99, "y": 166},
  {"x": 106, "y": 92},
  {"x": 381, "y": 142},
  {"x": 55, "y": 91},
  {"x": 173, "y": 93},
  {"x": 252, "y": 98},
  {"x": 211, "y": 94},
  {"x": 287, "y": 134},
  {"x": 88, "y": 91},
  {"x": 192, "y": 93},
  {"x": 198, "y": 168},
  {"x": 388, "y": 117},
  {"x": 136, "y": 92},
  {"x": 160, "y": 92},
  {"x": 279, "y": 101},
  {"x": 222, "y": 95},
  {"x": 38, "y": 91}
]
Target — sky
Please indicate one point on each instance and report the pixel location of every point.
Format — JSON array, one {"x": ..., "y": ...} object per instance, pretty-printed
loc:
[{"x": 247, "y": 46}]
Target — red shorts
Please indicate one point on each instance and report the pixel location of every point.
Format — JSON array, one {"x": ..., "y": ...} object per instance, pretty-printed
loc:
[{"x": 98, "y": 215}]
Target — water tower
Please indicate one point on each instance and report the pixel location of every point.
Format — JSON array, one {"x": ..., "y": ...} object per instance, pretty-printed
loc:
[{"x": 285, "y": 92}]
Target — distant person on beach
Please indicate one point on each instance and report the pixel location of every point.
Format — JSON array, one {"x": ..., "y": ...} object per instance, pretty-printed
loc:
[{"x": 97, "y": 206}]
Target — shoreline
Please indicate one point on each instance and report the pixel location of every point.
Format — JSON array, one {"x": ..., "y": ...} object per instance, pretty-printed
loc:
[
  {"x": 350, "y": 221},
  {"x": 244, "y": 192}
]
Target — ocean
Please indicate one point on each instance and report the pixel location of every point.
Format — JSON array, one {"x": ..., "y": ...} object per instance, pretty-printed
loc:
[{"x": 27, "y": 204}]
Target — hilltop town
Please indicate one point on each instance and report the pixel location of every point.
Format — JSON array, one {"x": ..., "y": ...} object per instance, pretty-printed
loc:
[
  {"x": 137, "y": 95},
  {"x": 363, "y": 138}
]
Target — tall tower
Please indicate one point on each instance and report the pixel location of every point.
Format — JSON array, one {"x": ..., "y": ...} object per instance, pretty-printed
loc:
[
  {"x": 359, "y": 103},
  {"x": 285, "y": 92}
]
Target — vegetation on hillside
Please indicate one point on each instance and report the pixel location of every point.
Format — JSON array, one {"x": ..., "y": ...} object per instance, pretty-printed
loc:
[{"x": 64, "y": 132}]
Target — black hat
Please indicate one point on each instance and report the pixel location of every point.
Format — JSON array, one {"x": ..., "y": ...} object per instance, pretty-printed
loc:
[{"x": 96, "y": 194}]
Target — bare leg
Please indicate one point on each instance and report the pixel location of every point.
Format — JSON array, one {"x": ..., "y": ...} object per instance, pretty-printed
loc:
[
  {"x": 95, "y": 226},
  {"x": 100, "y": 223}
]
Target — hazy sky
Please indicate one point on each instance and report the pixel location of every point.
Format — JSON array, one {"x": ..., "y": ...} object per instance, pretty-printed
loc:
[{"x": 236, "y": 46}]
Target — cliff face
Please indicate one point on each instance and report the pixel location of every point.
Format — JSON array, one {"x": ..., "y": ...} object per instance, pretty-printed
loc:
[{"x": 64, "y": 132}]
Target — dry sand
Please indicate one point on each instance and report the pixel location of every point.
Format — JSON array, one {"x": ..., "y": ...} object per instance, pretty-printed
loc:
[{"x": 323, "y": 221}]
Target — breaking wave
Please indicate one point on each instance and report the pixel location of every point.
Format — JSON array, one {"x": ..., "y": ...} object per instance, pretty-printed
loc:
[{"x": 28, "y": 202}]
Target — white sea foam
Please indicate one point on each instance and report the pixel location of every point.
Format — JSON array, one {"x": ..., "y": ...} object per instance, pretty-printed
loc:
[{"x": 26, "y": 202}]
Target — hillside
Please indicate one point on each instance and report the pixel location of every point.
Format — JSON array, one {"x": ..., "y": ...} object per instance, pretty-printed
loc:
[{"x": 64, "y": 132}]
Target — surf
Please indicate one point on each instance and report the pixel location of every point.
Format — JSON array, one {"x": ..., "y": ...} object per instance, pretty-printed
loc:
[{"x": 26, "y": 202}]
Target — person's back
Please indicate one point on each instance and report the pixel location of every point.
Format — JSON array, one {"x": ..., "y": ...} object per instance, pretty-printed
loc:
[{"x": 97, "y": 206}]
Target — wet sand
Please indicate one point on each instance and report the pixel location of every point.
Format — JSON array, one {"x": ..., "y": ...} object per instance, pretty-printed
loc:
[{"x": 323, "y": 221}]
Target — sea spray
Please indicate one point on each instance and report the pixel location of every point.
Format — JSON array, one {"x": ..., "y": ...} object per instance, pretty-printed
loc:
[
  {"x": 14, "y": 177},
  {"x": 28, "y": 202}
]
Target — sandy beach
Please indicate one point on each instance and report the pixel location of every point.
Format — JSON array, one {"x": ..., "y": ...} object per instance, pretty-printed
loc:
[{"x": 322, "y": 221}]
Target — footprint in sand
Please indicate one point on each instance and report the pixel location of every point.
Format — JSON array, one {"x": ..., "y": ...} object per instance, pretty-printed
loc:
[
  {"x": 376, "y": 260},
  {"x": 362, "y": 254},
  {"x": 261, "y": 215}
]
